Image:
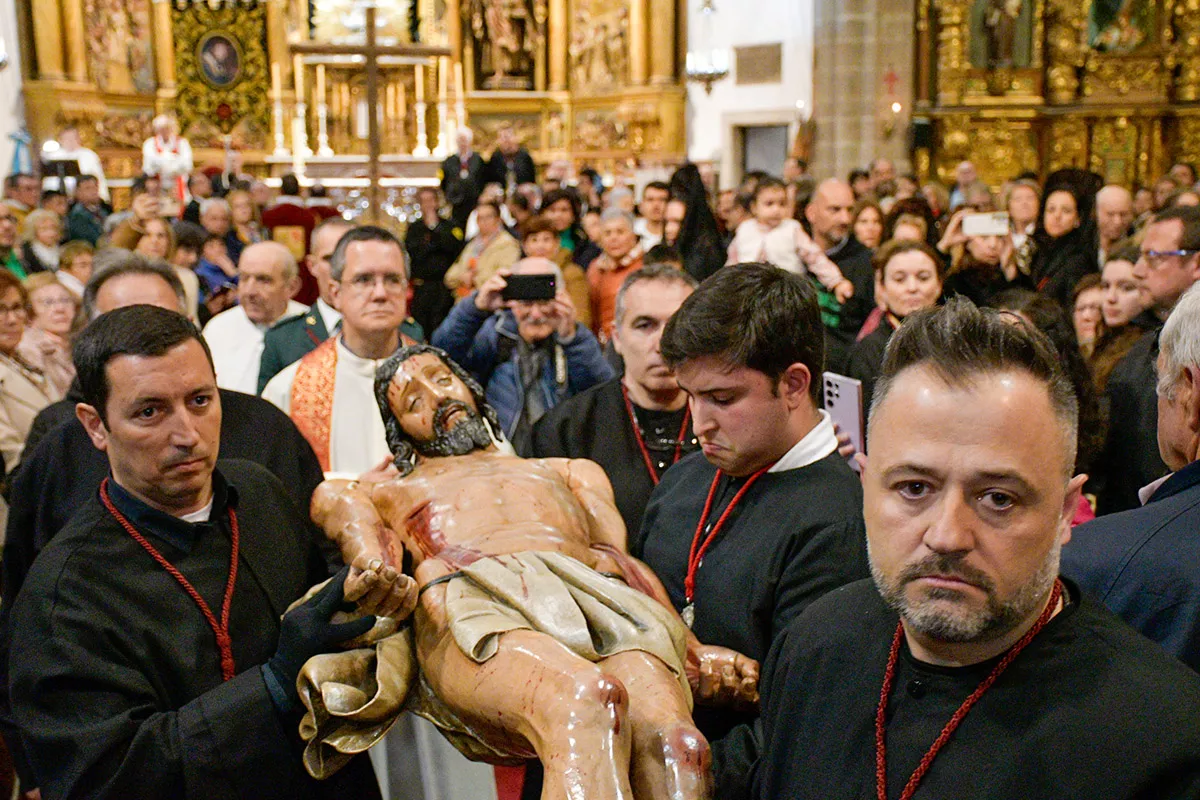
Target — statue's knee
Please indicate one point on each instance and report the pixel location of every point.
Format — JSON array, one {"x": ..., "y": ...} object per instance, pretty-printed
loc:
[
  {"x": 686, "y": 747},
  {"x": 591, "y": 693}
]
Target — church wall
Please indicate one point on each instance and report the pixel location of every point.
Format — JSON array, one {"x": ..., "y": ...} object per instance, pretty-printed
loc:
[
  {"x": 711, "y": 117},
  {"x": 12, "y": 107}
]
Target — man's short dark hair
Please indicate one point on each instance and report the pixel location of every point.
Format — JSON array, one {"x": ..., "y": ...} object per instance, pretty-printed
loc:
[
  {"x": 663, "y": 254},
  {"x": 319, "y": 190},
  {"x": 403, "y": 450},
  {"x": 195, "y": 176},
  {"x": 960, "y": 342},
  {"x": 82, "y": 179},
  {"x": 50, "y": 194},
  {"x": 751, "y": 315},
  {"x": 661, "y": 186},
  {"x": 1190, "y": 217},
  {"x": 857, "y": 174},
  {"x": 114, "y": 262},
  {"x": 660, "y": 271},
  {"x": 363, "y": 233},
  {"x": 289, "y": 185},
  {"x": 141, "y": 330}
]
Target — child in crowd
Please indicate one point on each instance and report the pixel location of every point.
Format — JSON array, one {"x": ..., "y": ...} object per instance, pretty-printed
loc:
[{"x": 772, "y": 237}]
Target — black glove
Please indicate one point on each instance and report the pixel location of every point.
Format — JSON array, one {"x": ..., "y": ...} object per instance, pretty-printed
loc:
[{"x": 306, "y": 631}]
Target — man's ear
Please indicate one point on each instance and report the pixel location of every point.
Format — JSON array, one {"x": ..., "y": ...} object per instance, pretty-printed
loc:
[
  {"x": 96, "y": 430},
  {"x": 335, "y": 293},
  {"x": 293, "y": 286},
  {"x": 1071, "y": 503},
  {"x": 795, "y": 383},
  {"x": 1188, "y": 389}
]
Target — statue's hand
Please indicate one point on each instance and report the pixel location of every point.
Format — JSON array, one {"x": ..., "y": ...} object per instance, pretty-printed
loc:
[
  {"x": 723, "y": 677},
  {"x": 381, "y": 590}
]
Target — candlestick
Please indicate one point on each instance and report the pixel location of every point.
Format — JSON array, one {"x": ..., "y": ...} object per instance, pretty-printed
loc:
[
  {"x": 442, "y": 149},
  {"x": 298, "y": 74},
  {"x": 422, "y": 148},
  {"x": 280, "y": 148},
  {"x": 276, "y": 83},
  {"x": 299, "y": 140},
  {"x": 420, "y": 84}
]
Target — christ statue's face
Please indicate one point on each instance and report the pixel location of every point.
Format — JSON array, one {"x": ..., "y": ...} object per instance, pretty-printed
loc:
[{"x": 435, "y": 408}]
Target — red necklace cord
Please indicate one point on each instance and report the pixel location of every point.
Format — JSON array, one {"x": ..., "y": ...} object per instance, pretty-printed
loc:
[
  {"x": 889, "y": 676},
  {"x": 220, "y": 630},
  {"x": 698, "y": 550},
  {"x": 641, "y": 441}
]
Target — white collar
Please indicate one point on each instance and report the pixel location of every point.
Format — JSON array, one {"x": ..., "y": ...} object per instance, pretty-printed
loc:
[
  {"x": 200, "y": 515},
  {"x": 329, "y": 315},
  {"x": 363, "y": 366},
  {"x": 820, "y": 442},
  {"x": 288, "y": 199},
  {"x": 1147, "y": 491}
]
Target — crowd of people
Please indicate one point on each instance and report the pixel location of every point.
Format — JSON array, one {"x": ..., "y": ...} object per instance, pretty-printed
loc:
[{"x": 1029, "y": 356}]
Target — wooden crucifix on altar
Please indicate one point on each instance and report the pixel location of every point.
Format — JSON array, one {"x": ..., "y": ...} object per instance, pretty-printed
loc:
[{"x": 371, "y": 51}]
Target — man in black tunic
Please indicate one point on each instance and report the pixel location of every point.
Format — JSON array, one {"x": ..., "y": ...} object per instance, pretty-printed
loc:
[
  {"x": 433, "y": 244},
  {"x": 638, "y": 425},
  {"x": 768, "y": 518},
  {"x": 149, "y": 658},
  {"x": 968, "y": 668}
]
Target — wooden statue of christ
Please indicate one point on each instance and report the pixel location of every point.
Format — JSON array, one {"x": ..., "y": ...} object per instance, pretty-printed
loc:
[{"x": 536, "y": 634}]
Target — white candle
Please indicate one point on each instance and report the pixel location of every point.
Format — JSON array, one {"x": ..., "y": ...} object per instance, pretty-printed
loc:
[
  {"x": 321, "y": 84},
  {"x": 420, "y": 83},
  {"x": 276, "y": 83},
  {"x": 298, "y": 70},
  {"x": 443, "y": 78}
]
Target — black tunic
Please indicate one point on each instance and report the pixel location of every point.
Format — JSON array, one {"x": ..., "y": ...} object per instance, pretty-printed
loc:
[
  {"x": 1088, "y": 710},
  {"x": 595, "y": 425},
  {"x": 866, "y": 361},
  {"x": 116, "y": 677},
  {"x": 795, "y": 535},
  {"x": 431, "y": 252}
]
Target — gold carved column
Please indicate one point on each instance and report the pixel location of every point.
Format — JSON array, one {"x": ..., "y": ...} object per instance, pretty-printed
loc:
[
  {"x": 662, "y": 42},
  {"x": 639, "y": 45},
  {"x": 47, "y": 39},
  {"x": 558, "y": 37},
  {"x": 72, "y": 17},
  {"x": 164, "y": 54}
]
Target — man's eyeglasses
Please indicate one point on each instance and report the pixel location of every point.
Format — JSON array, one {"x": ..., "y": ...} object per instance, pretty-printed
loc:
[
  {"x": 1155, "y": 258},
  {"x": 392, "y": 282}
]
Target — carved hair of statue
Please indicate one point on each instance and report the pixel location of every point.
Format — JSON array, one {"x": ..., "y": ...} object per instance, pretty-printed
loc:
[{"x": 403, "y": 448}]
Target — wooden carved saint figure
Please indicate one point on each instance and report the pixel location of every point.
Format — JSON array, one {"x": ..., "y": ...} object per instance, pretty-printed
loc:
[
  {"x": 505, "y": 34},
  {"x": 536, "y": 634}
]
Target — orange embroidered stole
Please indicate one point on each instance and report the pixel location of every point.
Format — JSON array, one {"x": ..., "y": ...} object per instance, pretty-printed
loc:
[{"x": 312, "y": 397}]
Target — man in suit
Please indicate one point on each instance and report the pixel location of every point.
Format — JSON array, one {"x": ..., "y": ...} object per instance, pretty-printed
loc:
[
  {"x": 1144, "y": 564},
  {"x": 463, "y": 178},
  {"x": 290, "y": 341},
  {"x": 510, "y": 164}
]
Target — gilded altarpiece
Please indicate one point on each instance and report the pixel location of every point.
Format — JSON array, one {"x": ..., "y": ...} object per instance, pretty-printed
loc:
[
  {"x": 1107, "y": 85},
  {"x": 595, "y": 82}
]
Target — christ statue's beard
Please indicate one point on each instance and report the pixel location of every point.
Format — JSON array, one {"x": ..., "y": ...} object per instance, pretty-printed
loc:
[{"x": 468, "y": 434}]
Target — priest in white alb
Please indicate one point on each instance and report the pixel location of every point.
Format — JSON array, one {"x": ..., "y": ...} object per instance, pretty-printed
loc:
[
  {"x": 267, "y": 279},
  {"x": 169, "y": 156},
  {"x": 70, "y": 148},
  {"x": 330, "y": 395}
]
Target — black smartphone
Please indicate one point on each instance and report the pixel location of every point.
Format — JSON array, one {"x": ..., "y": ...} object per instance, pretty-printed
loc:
[{"x": 530, "y": 287}]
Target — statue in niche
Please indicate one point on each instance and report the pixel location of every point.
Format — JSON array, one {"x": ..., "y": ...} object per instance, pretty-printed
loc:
[
  {"x": 1001, "y": 34},
  {"x": 506, "y": 34},
  {"x": 1120, "y": 26},
  {"x": 536, "y": 634}
]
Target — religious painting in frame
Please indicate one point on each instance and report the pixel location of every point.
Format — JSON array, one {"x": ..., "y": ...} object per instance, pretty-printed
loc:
[
  {"x": 1121, "y": 27},
  {"x": 222, "y": 72},
  {"x": 219, "y": 56}
]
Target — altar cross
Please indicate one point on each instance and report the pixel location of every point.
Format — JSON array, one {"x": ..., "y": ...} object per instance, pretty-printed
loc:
[{"x": 371, "y": 51}]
